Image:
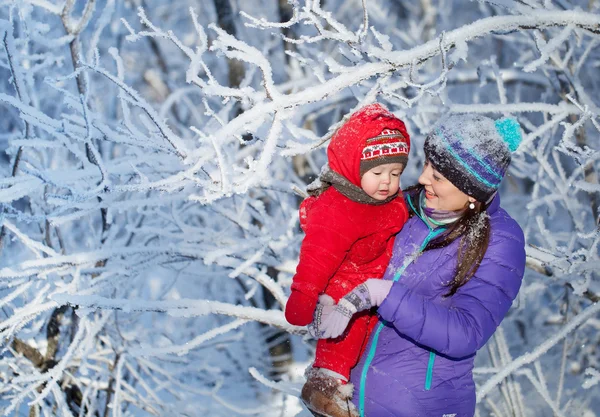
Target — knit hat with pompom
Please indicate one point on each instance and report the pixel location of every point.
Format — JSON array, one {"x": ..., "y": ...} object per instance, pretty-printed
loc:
[{"x": 473, "y": 152}]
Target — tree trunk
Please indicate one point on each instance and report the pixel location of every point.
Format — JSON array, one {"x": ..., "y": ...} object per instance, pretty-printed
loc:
[{"x": 226, "y": 21}]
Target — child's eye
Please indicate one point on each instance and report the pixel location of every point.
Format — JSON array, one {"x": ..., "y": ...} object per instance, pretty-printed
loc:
[
  {"x": 395, "y": 174},
  {"x": 377, "y": 173}
]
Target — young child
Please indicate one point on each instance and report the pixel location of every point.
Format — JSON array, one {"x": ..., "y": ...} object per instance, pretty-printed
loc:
[{"x": 349, "y": 223}]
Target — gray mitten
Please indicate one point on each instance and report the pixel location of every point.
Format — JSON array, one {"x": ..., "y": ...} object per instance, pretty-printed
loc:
[
  {"x": 334, "y": 321},
  {"x": 324, "y": 307}
]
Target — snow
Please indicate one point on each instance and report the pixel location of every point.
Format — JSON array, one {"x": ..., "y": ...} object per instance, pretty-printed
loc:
[
  {"x": 158, "y": 204},
  {"x": 540, "y": 350}
]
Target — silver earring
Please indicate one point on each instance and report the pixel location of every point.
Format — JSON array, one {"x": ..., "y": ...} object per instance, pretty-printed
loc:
[{"x": 472, "y": 206}]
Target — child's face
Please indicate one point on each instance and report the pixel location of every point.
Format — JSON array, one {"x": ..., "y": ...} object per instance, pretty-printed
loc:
[{"x": 382, "y": 181}]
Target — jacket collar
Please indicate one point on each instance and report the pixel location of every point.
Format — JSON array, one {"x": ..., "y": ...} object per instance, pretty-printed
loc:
[
  {"x": 494, "y": 205},
  {"x": 492, "y": 208}
]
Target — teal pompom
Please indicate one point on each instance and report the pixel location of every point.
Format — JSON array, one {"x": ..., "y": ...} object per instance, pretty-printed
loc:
[{"x": 510, "y": 130}]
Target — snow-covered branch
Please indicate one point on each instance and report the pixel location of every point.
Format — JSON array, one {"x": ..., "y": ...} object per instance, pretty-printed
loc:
[{"x": 148, "y": 203}]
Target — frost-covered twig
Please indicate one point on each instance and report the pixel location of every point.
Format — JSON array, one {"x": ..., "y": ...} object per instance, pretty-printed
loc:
[
  {"x": 181, "y": 308},
  {"x": 21, "y": 90},
  {"x": 166, "y": 133},
  {"x": 573, "y": 324}
]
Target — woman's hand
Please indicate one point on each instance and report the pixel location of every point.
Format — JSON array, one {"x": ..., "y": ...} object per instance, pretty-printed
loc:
[{"x": 330, "y": 320}]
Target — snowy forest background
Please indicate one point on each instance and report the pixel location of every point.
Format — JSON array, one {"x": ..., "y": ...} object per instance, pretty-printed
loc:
[{"x": 152, "y": 154}]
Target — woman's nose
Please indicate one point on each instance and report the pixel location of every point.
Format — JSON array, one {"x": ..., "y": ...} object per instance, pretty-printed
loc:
[{"x": 424, "y": 178}]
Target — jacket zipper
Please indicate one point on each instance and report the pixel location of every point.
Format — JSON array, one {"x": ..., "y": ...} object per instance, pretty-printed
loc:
[
  {"x": 363, "y": 376},
  {"x": 429, "y": 375}
]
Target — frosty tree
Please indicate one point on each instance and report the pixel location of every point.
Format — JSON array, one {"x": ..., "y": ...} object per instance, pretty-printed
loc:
[{"x": 152, "y": 157}]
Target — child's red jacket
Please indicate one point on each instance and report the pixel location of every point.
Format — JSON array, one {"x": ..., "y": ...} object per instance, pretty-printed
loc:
[{"x": 346, "y": 241}]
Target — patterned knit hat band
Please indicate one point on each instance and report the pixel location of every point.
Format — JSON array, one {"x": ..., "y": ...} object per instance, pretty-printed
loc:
[
  {"x": 387, "y": 148},
  {"x": 473, "y": 152}
]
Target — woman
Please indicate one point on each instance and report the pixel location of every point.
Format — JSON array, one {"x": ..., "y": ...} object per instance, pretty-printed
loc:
[{"x": 456, "y": 268}]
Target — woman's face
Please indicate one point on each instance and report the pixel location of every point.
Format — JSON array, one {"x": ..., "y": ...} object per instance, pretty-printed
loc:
[{"x": 440, "y": 193}]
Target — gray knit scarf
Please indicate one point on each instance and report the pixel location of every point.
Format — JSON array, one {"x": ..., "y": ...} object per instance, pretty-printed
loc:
[{"x": 329, "y": 178}]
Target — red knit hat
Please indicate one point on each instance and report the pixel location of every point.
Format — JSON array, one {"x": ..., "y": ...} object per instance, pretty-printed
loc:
[
  {"x": 389, "y": 147},
  {"x": 373, "y": 128}
]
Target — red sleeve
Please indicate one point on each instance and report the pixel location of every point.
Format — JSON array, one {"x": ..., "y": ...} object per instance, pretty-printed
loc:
[
  {"x": 389, "y": 251},
  {"x": 329, "y": 235}
]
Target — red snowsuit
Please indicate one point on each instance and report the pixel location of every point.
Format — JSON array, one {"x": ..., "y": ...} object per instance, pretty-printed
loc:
[{"x": 346, "y": 242}]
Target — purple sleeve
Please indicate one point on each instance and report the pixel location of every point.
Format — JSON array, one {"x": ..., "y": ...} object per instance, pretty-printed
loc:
[{"x": 459, "y": 325}]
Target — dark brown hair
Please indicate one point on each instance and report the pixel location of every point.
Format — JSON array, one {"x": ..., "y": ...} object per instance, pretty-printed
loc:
[{"x": 473, "y": 229}]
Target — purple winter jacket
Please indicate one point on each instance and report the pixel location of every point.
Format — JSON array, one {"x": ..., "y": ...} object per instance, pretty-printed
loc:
[{"x": 419, "y": 359}]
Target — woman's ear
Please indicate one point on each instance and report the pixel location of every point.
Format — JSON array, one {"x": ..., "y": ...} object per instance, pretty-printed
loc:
[{"x": 472, "y": 200}]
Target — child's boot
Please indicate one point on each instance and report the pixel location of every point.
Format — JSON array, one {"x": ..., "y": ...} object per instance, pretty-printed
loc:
[{"x": 326, "y": 396}]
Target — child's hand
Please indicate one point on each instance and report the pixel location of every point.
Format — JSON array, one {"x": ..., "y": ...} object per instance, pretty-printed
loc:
[
  {"x": 334, "y": 319},
  {"x": 300, "y": 308},
  {"x": 325, "y": 307}
]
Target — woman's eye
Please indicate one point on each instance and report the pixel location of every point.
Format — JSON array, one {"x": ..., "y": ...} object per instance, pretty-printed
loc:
[{"x": 435, "y": 177}]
